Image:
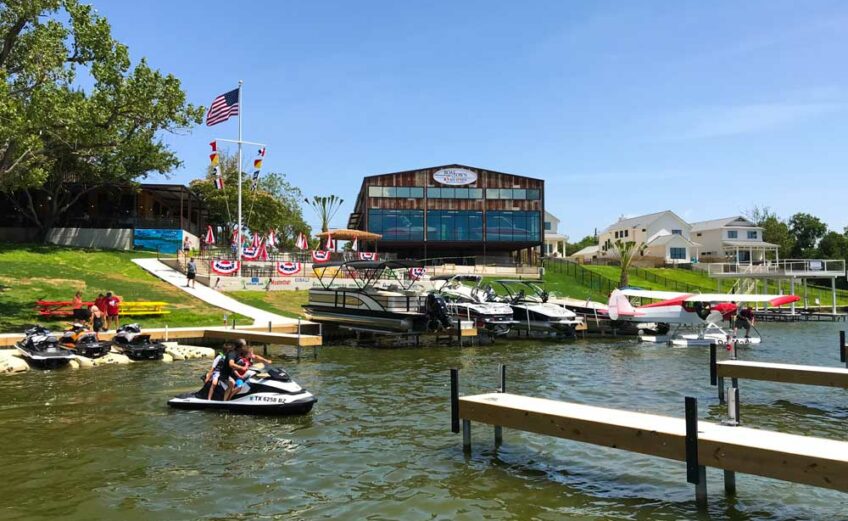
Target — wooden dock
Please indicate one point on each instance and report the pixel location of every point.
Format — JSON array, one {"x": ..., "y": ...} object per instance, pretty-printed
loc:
[
  {"x": 799, "y": 316},
  {"x": 813, "y": 461},
  {"x": 273, "y": 334},
  {"x": 785, "y": 373}
]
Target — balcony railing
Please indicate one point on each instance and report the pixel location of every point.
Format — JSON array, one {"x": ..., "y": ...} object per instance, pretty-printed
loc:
[{"x": 787, "y": 267}]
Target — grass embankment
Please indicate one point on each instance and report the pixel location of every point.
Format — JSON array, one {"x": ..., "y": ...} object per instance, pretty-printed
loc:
[
  {"x": 286, "y": 303},
  {"x": 31, "y": 273}
]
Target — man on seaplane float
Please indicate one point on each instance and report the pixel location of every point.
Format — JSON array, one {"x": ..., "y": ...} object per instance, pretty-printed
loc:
[{"x": 702, "y": 312}]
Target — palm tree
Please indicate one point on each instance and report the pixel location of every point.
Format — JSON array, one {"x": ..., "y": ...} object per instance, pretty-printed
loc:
[
  {"x": 326, "y": 207},
  {"x": 626, "y": 251}
]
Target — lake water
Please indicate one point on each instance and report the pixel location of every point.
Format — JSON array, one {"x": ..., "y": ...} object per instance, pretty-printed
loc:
[{"x": 102, "y": 444}]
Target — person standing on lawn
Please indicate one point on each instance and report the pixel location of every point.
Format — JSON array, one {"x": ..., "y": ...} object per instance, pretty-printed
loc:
[
  {"x": 191, "y": 273},
  {"x": 113, "y": 311},
  {"x": 80, "y": 313}
]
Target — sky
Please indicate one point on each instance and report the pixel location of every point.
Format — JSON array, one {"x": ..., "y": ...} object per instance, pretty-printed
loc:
[{"x": 623, "y": 108}]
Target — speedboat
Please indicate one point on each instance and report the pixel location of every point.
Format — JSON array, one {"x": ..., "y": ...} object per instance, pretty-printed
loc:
[
  {"x": 84, "y": 341},
  {"x": 266, "y": 391},
  {"x": 531, "y": 310},
  {"x": 467, "y": 299},
  {"x": 41, "y": 349},
  {"x": 130, "y": 341},
  {"x": 368, "y": 295}
]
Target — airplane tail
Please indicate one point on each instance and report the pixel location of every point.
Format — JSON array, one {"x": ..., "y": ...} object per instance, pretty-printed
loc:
[{"x": 619, "y": 306}]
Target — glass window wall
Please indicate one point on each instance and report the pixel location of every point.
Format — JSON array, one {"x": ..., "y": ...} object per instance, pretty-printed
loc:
[
  {"x": 397, "y": 225},
  {"x": 399, "y": 192},
  {"x": 454, "y": 225},
  {"x": 513, "y": 193},
  {"x": 513, "y": 226},
  {"x": 455, "y": 193}
]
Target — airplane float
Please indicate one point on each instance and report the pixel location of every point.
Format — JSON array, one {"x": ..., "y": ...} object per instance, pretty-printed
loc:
[{"x": 704, "y": 312}]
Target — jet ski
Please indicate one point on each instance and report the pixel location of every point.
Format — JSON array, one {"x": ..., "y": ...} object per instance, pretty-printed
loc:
[
  {"x": 130, "y": 341},
  {"x": 84, "y": 341},
  {"x": 41, "y": 349},
  {"x": 266, "y": 391}
]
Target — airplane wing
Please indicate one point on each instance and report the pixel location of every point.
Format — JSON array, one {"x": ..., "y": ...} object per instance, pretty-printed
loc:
[{"x": 772, "y": 300}]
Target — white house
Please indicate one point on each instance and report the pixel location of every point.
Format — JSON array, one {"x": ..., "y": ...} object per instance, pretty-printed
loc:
[
  {"x": 586, "y": 255},
  {"x": 665, "y": 234},
  {"x": 734, "y": 239},
  {"x": 554, "y": 241}
]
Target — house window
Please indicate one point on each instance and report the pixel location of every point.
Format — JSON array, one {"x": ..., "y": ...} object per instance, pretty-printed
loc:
[
  {"x": 752, "y": 235},
  {"x": 698, "y": 234},
  {"x": 547, "y": 226},
  {"x": 627, "y": 233},
  {"x": 732, "y": 234},
  {"x": 677, "y": 232},
  {"x": 677, "y": 253}
]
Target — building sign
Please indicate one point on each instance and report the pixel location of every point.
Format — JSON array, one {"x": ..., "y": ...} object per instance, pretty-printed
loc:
[{"x": 455, "y": 176}]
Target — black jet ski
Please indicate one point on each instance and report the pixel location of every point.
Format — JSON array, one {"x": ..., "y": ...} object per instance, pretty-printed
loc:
[
  {"x": 41, "y": 349},
  {"x": 130, "y": 341},
  {"x": 266, "y": 391},
  {"x": 84, "y": 341}
]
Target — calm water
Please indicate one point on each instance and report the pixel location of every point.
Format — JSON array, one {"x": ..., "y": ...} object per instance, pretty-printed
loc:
[{"x": 101, "y": 443}]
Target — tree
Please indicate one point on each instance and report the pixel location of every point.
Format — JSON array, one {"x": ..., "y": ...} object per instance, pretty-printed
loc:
[
  {"x": 626, "y": 251},
  {"x": 275, "y": 205},
  {"x": 807, "y": 230},
  {"x": 834, "y": 245},
  {"x": 326, "y": 208},
  {"x": 59, "y": 141},
  {"x": 588, "y": 240},
  {"x": 775, "y": 230}
]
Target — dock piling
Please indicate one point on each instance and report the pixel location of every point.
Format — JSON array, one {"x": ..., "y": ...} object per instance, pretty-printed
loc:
[
  {"x": 730, "y": 482},
  {"x": 466, "y": 435},
  {"x": 501, "y": 389},
  {"x": 712, "y": 364},
  {"x": 843, "y": 348},
  {"x": 695, "y": 472},
  {"x": 733, "y": 407},
  {"x": 454, "y": 400}
]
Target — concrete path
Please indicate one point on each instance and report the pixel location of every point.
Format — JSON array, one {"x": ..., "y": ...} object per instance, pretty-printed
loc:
[{"x": 210, "y": 296}]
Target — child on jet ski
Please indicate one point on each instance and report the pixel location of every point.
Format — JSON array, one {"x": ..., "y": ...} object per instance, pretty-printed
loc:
[
  {"x": 236, "y": 365},
  {"x": 214, "y": 373}
]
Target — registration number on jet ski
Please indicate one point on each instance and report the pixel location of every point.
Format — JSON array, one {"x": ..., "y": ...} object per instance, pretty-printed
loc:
[{"x": 267, "y": 399}]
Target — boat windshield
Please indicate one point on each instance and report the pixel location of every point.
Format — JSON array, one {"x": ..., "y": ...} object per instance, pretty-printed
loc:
[{"x": 523, "y": 291}]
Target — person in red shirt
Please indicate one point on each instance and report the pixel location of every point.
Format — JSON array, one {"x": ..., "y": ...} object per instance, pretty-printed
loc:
[{"x": 113, "y": 311}]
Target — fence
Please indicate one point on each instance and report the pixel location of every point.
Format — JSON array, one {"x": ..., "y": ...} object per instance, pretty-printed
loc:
[{"x": 602, "y": 284}]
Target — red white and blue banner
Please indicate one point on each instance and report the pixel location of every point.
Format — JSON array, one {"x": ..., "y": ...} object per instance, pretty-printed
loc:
[
  {"x": 225, "y": 267},
  {"x": 417, "y": 273},
  {"x": 250, "y": 253},
  {"x": 320, "y": 256},
  {"x": 368, "y": 255},
  {"x": 289, "y": 269}
]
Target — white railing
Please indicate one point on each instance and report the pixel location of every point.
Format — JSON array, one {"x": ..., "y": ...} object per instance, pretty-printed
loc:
[{"x": 788, "y": 267}]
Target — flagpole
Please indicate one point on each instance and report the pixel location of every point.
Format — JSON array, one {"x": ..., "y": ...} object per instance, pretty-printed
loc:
[{"x": 240, "y": 112}]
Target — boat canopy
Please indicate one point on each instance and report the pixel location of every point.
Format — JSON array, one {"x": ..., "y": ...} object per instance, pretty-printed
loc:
[{"x": 364, "y": 273}]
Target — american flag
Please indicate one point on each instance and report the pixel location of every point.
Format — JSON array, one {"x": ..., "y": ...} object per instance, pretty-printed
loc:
[{"x": 223, "y": 107}]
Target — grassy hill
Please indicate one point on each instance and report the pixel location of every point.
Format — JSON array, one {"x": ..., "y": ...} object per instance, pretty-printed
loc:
[{"x": 31, "y": 273}]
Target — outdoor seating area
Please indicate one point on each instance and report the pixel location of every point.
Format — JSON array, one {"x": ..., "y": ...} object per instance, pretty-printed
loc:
[{"x": 64, "y": 308}]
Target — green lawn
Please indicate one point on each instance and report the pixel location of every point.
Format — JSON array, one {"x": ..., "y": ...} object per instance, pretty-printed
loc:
[
  {"x": 31, "y": 273},
  {"x": 286, "y": 303}
]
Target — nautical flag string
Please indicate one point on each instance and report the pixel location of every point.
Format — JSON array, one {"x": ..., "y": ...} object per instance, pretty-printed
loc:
[
  {"x": 216, "y": 166},
  {"x": 223, "y": 108},
  {"x": 257, "y": 166}
]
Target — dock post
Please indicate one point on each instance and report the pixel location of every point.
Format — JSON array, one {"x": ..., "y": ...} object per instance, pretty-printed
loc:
[
  {"x": 733, "y": 407},
  {"x": 454, "y": 400},
  {"x": 166, "y": 332},
  {"x": 713, "y": 364},
  {"x": 501, "y": 389},
  {"x": 466, "y": 435},
  {"x": 730, "y": 482},
  {"x": 720, "y": 389},
  {"x": 269, "y": 327},
  {"x": 843, "y": 348},
  {"x": 234, "y": 322},
  {"x": 695, "y": 472}
]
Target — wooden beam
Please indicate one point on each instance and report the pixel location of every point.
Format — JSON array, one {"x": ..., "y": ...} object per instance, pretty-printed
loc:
[
  {"x": 785, "y": 373},
  {"x": 263, "y": 337},
  {"x": 813, "y": 461}
]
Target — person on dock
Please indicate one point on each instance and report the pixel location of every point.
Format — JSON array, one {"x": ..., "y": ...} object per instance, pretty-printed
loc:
[
  {"x": 746, "y": 320},
  {"x": 97, "y": 317},
  {"x": 191, "y": 273},
  {"x": 113, "y": 311}
]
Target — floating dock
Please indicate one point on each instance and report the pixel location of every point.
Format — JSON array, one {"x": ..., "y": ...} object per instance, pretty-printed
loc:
[{"x": 813, "y": 461}]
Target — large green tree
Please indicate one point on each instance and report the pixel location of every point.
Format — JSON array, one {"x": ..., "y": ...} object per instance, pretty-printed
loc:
[
  {"x": 75, "y": 114},
  {"x": 775, "y": 230},
  {"x": 274, "y": 205},
  {"x": 807, "y": 230},
  {"x": 834, "y": 245},
  {"x": 589, "y": 240}
]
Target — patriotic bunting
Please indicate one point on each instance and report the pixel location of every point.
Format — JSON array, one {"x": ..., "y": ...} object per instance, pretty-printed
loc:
[
  {"x": 368, "y": 255},
  {"x": 257, "y": 240},
  {"x": 417, "y": 273},
  {"x": 320, "y": 256},
  {"x": 250, "y": 253},
  {"x": 302, "y": 243},
  {"x": 289, "y": 269},
  {"x": 210, "y": 237},
  {"x": 225, "y": 267}
]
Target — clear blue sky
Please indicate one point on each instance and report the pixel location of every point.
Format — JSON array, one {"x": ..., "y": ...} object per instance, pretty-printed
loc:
[{"x": 623, "y": 108}]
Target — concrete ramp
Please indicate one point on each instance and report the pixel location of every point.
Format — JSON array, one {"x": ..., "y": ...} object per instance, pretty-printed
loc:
[{"x": 211, "y": 296}]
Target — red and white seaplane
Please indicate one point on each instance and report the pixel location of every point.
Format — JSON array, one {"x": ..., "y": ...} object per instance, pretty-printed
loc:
[{"x": 703, "y": 312}]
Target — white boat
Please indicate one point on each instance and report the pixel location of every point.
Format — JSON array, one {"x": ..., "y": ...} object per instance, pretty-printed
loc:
[
  {"x": 467, "y": 299},
  {"x": 531, "y": 310}
]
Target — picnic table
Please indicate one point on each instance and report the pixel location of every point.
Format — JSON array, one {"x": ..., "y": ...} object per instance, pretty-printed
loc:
[{"x": 64, "y": 308}]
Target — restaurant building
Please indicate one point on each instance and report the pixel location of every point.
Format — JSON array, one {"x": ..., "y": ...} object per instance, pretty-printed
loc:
[{"x": 453, "y": 211}]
